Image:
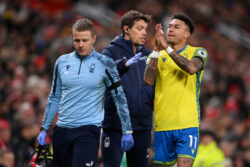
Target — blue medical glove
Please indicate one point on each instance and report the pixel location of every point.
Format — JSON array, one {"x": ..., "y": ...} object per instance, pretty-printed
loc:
[
  {"x": 41, "y": 138},
  {"x": 127, "y": 142},
  {"x": 133, "y": 60},
  {"x": 143, "y": 58}
]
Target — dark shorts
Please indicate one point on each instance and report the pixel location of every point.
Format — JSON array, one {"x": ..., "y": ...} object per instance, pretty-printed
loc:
[
  {"x": 76, "y": 147},
  {"x": 136, "y": 157}
]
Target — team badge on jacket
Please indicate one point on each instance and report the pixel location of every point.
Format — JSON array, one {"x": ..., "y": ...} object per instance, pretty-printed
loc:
[
  {"x": 92, "y": 68},
  {"x": 67, "y": 67},
  {"x": 107, "y": 142}
]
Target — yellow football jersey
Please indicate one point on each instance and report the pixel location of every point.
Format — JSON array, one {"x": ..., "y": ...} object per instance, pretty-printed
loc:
[{"x": 177, "y": 92}]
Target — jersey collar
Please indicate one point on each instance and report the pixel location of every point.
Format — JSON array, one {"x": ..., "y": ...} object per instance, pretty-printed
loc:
[{"x": 182, "y": 49}]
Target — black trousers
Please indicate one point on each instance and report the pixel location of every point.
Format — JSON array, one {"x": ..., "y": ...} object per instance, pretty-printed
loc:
[
  {"x": 136, "y": 157},
  {"x": 76, "y": 147}
]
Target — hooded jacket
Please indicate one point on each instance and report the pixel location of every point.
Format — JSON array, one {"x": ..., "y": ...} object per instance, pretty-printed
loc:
[{"x": 139, "y": 95}]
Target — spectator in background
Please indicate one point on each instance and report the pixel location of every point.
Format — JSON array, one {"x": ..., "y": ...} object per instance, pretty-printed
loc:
[
  {"x": 7, "y": 158},
  {"x": 5, "y": 134},
  {"x": 24, "y": 141},
  {"x": 209, "y": 154}
]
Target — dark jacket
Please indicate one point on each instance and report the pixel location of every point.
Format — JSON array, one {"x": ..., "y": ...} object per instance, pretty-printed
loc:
[{"x": 139, "y": 95}]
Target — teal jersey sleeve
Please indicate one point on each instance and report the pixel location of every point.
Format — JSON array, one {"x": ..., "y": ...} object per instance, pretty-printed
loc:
[
  {"x": 112, "y": 81},
  {"x": 53, "y": 99},
  {"x": 202, "y": 54}
]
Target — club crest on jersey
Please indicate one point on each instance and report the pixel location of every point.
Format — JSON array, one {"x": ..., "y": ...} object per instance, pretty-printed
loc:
[
  {"x": 92, "y": 68},
  {"x": 186, "y": 55},
  {"x": 164, "y": 59},
  {"x": 67, "y": 67}
]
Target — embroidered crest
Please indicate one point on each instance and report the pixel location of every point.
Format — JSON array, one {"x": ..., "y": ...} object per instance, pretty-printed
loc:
[
  {"x": 186, "y": 55},
  {"x": 92, "y": 68},
  {"x": 107, "y": 142},
  {"x": 67, "y": 67}
]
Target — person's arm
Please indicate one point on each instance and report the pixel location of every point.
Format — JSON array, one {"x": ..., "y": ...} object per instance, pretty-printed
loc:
[
  {"x": 113, "y": 83},
  {"x": 52, "y": 105},
  {"x": 151, "y": 68},
  {"x": 123, "y": 64},
  {"x": 190, "y": 66},
  {"x": 53, "y": 99},
  {"x": 152, "y": 60},
  {"x": 120, "y": 63}
]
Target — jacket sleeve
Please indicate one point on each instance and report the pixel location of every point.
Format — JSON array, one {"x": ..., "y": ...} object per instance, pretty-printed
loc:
[
  {"x": 53, "y": 99},
  {"x": 120, "y": 63},
  {"x": 112, "y": 80}
]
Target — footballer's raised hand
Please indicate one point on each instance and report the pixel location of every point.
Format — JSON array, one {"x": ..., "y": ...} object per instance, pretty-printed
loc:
[
  {"x": 157, "y": 46},
  {"x": 163, "y": 44}
]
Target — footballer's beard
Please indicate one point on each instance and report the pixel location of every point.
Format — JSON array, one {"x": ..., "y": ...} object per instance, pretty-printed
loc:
[
  {"x": 171, "y": 43},
  {"x": 174, "y": 41}
]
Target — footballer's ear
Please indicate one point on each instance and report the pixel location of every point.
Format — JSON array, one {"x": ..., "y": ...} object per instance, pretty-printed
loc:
[{"x": 187, "y": 34}]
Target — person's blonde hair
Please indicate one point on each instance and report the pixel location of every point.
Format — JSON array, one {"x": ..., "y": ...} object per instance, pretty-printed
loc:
[{"x": 83, "y": 25}]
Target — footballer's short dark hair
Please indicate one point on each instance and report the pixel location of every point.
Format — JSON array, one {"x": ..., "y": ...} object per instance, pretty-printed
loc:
[
  {"x": 187, "y": 20},
  {"x": 83, "y": 25},
  {"x": 131, "y": 16}
]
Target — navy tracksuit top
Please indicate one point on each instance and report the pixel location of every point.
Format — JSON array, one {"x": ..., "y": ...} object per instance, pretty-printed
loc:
[{"x": 139, "y": 95}]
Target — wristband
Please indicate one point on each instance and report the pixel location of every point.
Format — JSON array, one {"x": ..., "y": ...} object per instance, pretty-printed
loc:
[
  {"x": 169, "y": 50},
  {"x": 128, "y": 132},
  {"x": 154, "y": 54},
  {"x": 148, "y": 60}
]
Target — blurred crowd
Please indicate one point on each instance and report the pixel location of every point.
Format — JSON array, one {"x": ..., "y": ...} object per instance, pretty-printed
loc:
[{"x": 34, "y": 33}]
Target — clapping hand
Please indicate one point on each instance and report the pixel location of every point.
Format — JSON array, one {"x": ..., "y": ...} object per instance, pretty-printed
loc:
[{"x": 160, "y": 39}]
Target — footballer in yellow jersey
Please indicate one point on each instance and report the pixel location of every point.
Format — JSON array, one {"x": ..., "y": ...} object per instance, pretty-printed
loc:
[
  {"x": 177, "y": 92},
  {"x": 176, "y": 68}
]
